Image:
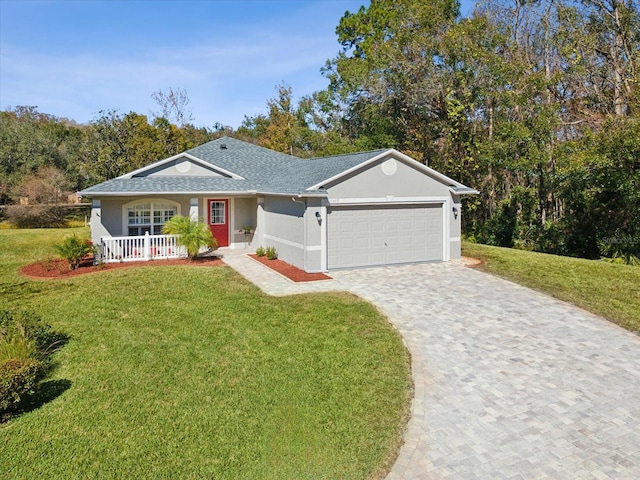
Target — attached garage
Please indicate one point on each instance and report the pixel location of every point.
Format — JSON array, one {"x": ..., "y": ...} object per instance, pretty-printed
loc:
[{"x": 367, "y": 235}]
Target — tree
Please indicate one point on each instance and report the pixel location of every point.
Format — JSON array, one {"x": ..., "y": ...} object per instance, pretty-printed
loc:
[
  {"x": 282, "y": 130},
  {"x": 389, "y": 72},
  {"x": 291, "y": 128},
  {"x": 30, "y": 140},
  {"x": 601, "y": 43},
  {"x": 120, "y": 143},
  {"x": 46, "y": 185},
  {"x": 174, "y": 106}
]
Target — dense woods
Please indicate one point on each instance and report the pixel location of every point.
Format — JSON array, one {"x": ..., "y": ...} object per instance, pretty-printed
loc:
[{"x": 535, "y": 103}]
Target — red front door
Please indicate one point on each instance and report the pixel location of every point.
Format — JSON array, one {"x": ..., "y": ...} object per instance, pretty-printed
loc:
[{"x": 219, "y": 220}]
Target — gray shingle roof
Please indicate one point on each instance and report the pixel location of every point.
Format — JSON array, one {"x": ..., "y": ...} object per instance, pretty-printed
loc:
[
  {"x": 167, "y": 184},
  {"x": 263, "y": 171},
  {"x": 242, "y": 158}
]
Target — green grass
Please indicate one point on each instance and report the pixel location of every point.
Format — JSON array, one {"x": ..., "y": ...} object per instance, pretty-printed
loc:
[
  {"x": 607, "y": 289},
  {"x": 192, "y": 372}
]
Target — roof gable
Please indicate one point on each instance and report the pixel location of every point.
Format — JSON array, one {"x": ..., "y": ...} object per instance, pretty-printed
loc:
[
  {"x": 183, "y": 166},
  {"x": 352, "y": 164},
  {"x": 174, "y": 161}
]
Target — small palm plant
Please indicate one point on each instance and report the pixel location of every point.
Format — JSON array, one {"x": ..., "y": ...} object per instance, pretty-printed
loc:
[
  {"x": 192, "y": 234},
  {"x": 73, "y": 249}
]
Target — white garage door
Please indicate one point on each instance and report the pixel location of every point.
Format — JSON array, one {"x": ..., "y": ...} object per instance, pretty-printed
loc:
[{"x": 384, "y": 234}]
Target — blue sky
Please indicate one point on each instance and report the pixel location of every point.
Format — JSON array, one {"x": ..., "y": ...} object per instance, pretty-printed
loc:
[{"x": 74, "y": 58}]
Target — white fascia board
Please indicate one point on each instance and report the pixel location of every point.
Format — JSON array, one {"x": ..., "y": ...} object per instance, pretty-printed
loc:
[
  {"x": 252, "y": 193},
  {"x": 137, "y": 194},
  {"x": 471, "y": 191},
  {"x": 399, "y": 156},
  {"x": 336, "y": 202},
  {"x": 298, "y": 195},
  {"x": 194, "y": 159}
]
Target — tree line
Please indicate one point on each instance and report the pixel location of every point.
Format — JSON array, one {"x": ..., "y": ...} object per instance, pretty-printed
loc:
[{"x": 535, "y": 103}]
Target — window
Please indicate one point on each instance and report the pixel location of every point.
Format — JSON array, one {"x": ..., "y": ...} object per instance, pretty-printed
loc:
[
  {"x": 148, "y": 217},
  {"x": 217, "y": 213}
]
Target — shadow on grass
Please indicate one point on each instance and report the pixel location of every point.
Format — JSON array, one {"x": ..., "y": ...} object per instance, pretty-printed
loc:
[{"x": 44, "y": 393}]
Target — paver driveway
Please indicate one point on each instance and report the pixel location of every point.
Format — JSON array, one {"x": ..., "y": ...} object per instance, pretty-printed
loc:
[{"x": 509, "y": 383}]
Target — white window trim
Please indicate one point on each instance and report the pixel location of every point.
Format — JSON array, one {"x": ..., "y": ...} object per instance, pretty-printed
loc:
[{"x": 152, "y": 201}]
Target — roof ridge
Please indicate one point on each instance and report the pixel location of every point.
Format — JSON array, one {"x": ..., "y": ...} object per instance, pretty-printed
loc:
[{"x": 349, "y": 154}]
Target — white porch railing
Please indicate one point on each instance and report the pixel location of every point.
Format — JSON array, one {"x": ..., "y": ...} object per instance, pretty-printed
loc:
[{"x": 143, "y": 247}]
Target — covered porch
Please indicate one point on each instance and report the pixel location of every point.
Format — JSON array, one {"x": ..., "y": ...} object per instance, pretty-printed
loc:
[{"x": 127, "y": 229}]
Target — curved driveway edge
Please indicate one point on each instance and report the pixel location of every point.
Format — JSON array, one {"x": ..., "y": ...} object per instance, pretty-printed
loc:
[{"x": 509, "y": 383}]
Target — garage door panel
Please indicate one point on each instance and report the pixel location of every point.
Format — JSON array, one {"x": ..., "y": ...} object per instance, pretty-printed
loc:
[{"x": 384, "y": 234}]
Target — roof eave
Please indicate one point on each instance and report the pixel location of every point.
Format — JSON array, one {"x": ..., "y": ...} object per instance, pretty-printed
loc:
[
  {"x": 189, "y": 192},
  {"x": 295, "y": 194},
  {"x": 467, "y": 191}
]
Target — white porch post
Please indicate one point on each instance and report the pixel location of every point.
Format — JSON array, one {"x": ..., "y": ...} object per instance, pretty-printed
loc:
[
  {"x": 147, "y": 246},
  {"x": 193, "y": 209},
  {"x": 260, "y": 227},
  {"x": 94, "y": 223}
]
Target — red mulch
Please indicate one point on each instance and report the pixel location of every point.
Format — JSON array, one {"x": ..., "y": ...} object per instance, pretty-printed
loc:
[
  {"x": 58, "y": 268},
  {"x": 289, "y": 271}
]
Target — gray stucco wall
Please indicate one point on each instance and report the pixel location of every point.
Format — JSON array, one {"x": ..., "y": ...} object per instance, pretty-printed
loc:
[
  {"x": 243, "y": 213},
  {"x": 283, "y": 228},
  {"x": 314, "y": 231},
  {"x": 455, "y": 221},
  {"x": 406, "y": 181},
  {"x": 107, "y": 220}
]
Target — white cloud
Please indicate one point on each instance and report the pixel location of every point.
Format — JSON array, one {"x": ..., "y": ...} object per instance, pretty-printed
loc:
[{"x": 227, "y": 74}]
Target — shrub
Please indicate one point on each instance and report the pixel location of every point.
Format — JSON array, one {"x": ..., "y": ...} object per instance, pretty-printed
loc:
[
  {"x": 193, "y": 234},
  {"x": 73, "y": 249},
  {"x": 25, "y": 344},
  {"x": 621, "y": 248},
  {"x": 271, "y": 253},
  {"x": 260, "y": 252},
  {"x": 36, "y": 216},
  {"x": 17, "y": 345},
  {"x": 18, "y": 377},
  {"x": 16, "y": 323}
]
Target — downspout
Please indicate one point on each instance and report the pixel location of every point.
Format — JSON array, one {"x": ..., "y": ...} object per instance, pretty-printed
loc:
[{"x": 304, "y": 225}]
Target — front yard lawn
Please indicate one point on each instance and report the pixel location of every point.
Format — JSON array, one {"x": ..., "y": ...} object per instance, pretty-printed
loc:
[
  {"x": 181, "y": 372},
  {"x": 607, "y": 289}
]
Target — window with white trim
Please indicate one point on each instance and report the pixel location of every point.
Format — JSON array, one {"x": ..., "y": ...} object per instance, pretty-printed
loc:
[
  {"x": 149, "y": 217},
  {"x": 218, "y": 213}
]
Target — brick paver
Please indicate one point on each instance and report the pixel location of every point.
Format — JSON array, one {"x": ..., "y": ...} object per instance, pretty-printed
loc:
[{"x": 509, "y": 383}]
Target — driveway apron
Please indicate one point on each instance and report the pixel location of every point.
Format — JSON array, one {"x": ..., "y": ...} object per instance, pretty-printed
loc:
[{"x": 509, "y": 383}]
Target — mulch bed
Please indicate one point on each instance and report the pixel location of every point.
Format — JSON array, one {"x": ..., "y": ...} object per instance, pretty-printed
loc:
[
  {"x": 289, "y": 271},
  {"x": 58, "y": 268}
]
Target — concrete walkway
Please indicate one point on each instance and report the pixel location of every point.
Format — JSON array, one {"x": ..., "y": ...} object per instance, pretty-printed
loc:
[{"x": 509, "y": 383}]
